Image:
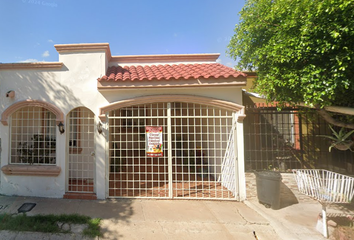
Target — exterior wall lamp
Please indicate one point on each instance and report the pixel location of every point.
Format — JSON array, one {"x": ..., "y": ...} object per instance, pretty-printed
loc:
[
  {"x": 99, "y": 127},
  {"x": 61, "y": 128},
  {"x": 10, "y": 94}
]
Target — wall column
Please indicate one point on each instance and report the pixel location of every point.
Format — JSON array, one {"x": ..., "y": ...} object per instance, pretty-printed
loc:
[{"x": 240, "y": 157}]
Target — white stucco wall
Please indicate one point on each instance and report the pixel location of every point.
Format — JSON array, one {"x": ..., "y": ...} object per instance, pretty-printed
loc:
[
  {"x": 232, "y": 94},
  {"x": 79, "y": 77},
  {"x": 37, "y": 85},
  {"x": 72, "y": 86}
]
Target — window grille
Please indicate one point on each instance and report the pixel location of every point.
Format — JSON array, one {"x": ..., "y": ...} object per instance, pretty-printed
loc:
[{"x": 33, "y": 136}]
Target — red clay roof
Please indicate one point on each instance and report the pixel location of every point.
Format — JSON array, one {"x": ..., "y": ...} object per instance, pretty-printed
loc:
[{"x": 167, "y": 72}]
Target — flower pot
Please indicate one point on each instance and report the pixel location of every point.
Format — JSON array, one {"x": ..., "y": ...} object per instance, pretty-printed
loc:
[{"x": 343, "y": 146}]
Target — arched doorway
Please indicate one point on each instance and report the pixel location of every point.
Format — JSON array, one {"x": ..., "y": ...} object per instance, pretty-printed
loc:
[
  {"x": 198, "y": 160},
  {"x": 81, "y": 156}
]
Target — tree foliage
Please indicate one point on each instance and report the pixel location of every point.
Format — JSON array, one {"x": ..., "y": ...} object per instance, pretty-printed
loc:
[{"x": 302, "y": 50}]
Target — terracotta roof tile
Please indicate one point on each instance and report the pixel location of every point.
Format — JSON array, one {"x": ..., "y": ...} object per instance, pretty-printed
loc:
[{"x": 167, "y": 72}]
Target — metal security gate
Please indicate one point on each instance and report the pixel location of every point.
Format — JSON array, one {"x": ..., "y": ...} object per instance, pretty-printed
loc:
[
  {"x": 198, "y": 159},
  {"x": 81, "y": 167},
  {"x": 131, "y": 173}
]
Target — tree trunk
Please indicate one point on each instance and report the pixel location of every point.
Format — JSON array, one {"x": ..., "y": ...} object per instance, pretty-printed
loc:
[{"x": 333, "y": 121}]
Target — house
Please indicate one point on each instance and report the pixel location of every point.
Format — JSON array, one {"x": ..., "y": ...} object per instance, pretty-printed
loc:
[
  {"x": 96, "y": 126},
  {"x": 287, "y": 139}
]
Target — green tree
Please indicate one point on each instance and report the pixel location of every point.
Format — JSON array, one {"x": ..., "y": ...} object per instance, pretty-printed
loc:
[{"x": 302, "y": 51}]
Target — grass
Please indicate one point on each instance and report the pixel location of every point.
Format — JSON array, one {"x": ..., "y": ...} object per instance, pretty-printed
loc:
[{"x": 48, "y": 223}]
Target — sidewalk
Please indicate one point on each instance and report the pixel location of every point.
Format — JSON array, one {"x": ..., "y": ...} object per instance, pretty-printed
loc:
[
  {"x": 176, "y": 219},
  {"x": 150, "y": 219},
  {"x": 298, "y": 220}
]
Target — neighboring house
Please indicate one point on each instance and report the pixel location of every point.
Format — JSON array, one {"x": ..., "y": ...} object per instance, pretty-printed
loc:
[
  {"x": 77, "y": 128},
  {"x": 288, "y": 139}
]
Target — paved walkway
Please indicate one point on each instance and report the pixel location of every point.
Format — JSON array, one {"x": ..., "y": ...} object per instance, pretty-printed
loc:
[{"x": 175, "y": 219}]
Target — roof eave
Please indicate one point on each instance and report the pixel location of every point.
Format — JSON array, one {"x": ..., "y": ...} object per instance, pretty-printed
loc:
[
  {"x": 32, "y": 65},
  {"x": 104, "y": 86}
]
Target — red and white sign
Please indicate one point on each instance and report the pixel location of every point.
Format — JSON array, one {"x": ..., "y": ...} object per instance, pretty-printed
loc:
[{"x": 154, "y": 146}]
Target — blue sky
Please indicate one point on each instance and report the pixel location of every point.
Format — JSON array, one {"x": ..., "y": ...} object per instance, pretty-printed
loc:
[{"x": 29, "y": 29}]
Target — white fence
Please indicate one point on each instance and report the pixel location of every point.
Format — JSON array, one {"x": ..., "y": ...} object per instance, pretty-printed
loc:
[{"x": 325, "y": 186}]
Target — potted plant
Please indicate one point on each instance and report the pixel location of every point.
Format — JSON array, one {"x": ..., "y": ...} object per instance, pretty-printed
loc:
[{"x": 340, "y": 140}]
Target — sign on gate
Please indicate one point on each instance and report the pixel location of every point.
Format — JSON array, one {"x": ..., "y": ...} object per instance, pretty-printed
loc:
[{"x": 154, "y": 141}]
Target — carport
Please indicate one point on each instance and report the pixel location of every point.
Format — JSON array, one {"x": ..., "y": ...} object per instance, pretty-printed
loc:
[
  {"x": 199, "y": 159},
  {"x": 196, "y": 104}
]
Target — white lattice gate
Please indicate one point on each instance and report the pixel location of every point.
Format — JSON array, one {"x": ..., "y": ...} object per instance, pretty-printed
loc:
[
  {"x": 81, "y": 167},
  {"x": 198, "y": 159}
]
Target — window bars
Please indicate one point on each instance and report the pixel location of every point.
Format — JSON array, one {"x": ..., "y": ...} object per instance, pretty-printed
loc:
[{"x": 33, "y": 136}]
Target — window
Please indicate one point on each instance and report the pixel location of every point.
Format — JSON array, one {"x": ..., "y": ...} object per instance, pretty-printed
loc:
[
  {"x": 282, "y": 128},
  {"x": 33, "y": 136}
]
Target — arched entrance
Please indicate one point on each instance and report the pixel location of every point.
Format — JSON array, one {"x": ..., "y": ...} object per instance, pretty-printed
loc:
[
  {"x": 81, "y": 156},
  {"x": 199, "y": 157}
]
